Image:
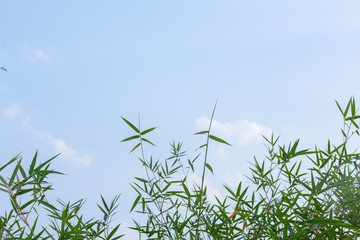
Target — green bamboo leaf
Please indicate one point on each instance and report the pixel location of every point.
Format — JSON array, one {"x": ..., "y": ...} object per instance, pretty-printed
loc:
[
  {"x": 353, "y": 110},
  {"x": 23, "y": 174},
  {"x": 48, "y": 205},
  {"x": 33, "y": 227},
  {"x": 31, "y": 169},
  {"x": 14, "y": 173},
  {"x": 27, "y": 204},
  {"x": 135, "y": 202},
  {"x": 218, "y": 140},
  {"x": 209, "y": 167},
  {"x": 191, "y": 165},
  {"x": 39, "y": 235},
  {"x": 186, "y": 190},
  {"x": 144, "y": 139},
  {"x": 104, "y": 203},
  {"x": 338, "y": 105},
  {"x": 201, "y": 132},
  {"x": 9, "y": 162},
  {"x": 118, "y": 237},
  {"x": 273, "y": 234},
  {"x": 352, "y": 117},
  {"x": 285, "y": 230},
  {"x": 49, "y": 171},
  {"x": 204, "y": 145},
  {"x": 354, "y": 123},
  {"x": 130, "y": 138},
  {"x": 347, "y": 108},
  {"x": 344, "y": 134},
  {"x": 313, "y": 186},
  {"x": 113, "y": 232},
  {"x": 184, "y": 223},
  {"x": 101, "y": 209},
  {"x": 141, "y": 180},
  {"x": 46, "y": 163},
  {"x": 336, "y": 223},
  {"x": 131, "y": 125},
  {"x": 147, "y": 131}
]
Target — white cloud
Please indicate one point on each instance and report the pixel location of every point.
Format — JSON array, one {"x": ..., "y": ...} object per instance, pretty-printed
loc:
[
  {"x": 211, "y": 191},
  {"x": 233, "y": 179},
  {"x": 39, "y": 55},
  {"x": 25, "y": 121},
  {"x": 244, "y": 131},
  {"x": 13, "y": 111},
  {"x": 60, "y": 146},
  {"x": 222, "y": 152}
]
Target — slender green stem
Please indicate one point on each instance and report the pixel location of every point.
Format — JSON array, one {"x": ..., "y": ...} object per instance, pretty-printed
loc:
[{"x": 204, "y": 170}]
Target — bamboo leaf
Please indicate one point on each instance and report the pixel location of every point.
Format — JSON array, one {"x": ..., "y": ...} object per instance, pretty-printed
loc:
[
  {"x": 209, "y": 167},
  {"x": 352, "y": 117},
  {"x": 141, "y": 180},
  {"x": 48, "y": 205},
  {"x": 338, "y": 105},
  {"x": 27, "y": 204},
  {"x": 204, "y": 145},
  {"x": 353, "y": 110},
  {"x": 186, "y": 190},
  {"x": 147, "y": 131},
  {"x": 14, "y": 173},
  {"x": 354, "y": 123},
  {"x": 101, "y": 209},
  {"x": 9, "y": 162},
  {"x": 347, "y": 108},
  {"x": 113, "y": 232},
  {"x": 131, "y": 125},
  {"x": 234, "y": 213},
  {"x": 135, "y": 202},
  {"x": 104, "y": 203},
  {"x": 137, "y": 145},
  {"x": 144, "y": 139},
  {"x": 130, "y": 138},
  {"x": 218, "y": 140},
  {"x": 201, "y": 132},
  {"x": 33, "y": 162}
]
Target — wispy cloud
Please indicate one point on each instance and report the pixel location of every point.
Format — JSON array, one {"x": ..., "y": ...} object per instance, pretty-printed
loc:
[
  {"x": 60, "y": 146},
  {"x": 244, "y": 131},
  {"x": 39, "y": 55},
  {"x": 233, "y": 179},
  {"x": 13, "y": 111},
  {"x": 211, "y": 191}
]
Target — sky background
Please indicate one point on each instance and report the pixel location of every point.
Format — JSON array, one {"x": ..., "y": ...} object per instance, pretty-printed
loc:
[{"x": 75, "y": 67}]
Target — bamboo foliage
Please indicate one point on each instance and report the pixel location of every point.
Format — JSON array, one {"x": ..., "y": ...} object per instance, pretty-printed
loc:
[{"x": 285, "y": 199}]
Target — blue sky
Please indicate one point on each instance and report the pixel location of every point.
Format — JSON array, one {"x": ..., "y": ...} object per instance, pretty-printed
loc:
[{"x": 74, "y": 68}]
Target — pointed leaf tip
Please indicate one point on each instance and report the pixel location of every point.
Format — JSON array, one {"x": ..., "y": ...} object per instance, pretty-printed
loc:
[
  {"x": 147, "y": 131},
  {"x": 130, "y": 138},
  {"x": 131, "y": 125},
  {"x": 219, "y": 140},
  {"x": 201, "y": 132},
  {"x": 137, "y": 145}
]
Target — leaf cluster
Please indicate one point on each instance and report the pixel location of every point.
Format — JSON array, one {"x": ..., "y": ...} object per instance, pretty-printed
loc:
[
  {"x": 27, "y": 190},
  {"x": 285, "y": 200}
]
